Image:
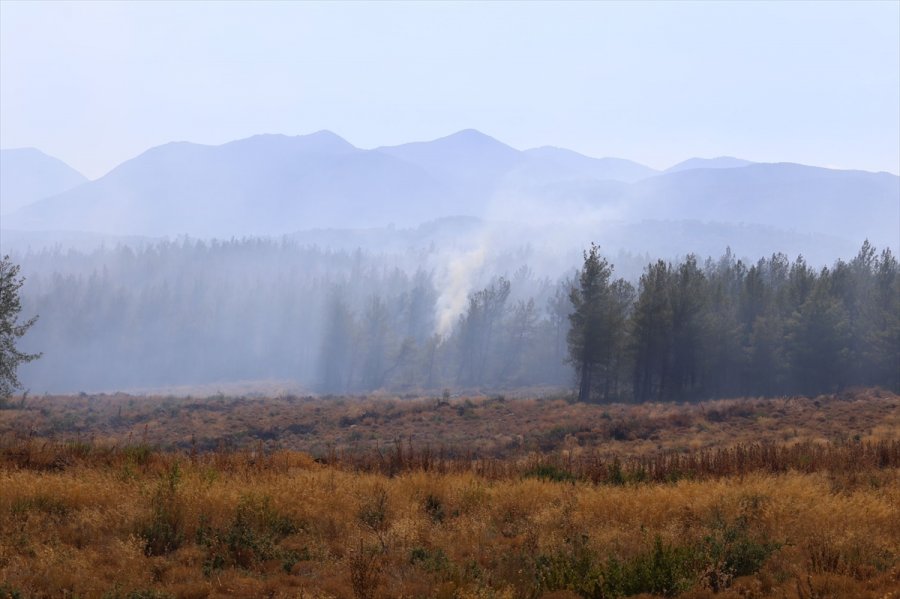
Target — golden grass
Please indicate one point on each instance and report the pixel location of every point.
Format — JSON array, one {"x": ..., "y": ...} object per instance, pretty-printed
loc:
[
  {"x": 77, "y": 531},
  {"x": 744, "y": 515}
]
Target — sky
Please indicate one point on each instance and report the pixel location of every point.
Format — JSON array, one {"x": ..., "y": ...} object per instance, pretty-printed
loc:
[{"x": 95, "y": 84}]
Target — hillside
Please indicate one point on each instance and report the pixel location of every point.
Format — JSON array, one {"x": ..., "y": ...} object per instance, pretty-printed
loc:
[
  {"x": 27, "y": 175},
  {"x": 788, "y": 196},
  {"x": 275, "y": 184}
]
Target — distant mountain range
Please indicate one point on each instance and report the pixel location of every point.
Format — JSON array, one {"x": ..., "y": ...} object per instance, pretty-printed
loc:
[
  {"x": 28, "y": 175},
  {"x": 276, "y": 184}
]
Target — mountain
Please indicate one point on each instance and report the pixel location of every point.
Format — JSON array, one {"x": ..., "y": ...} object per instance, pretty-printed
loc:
[
  {"x": 277, "y": 184},
  {"x": 720, "y": 162},
  {"x": 846, "y": 204},
  {"x": 470, "y": 164},
  {"x": 27, "y": 175},
  {"x": 260, "y": 185},
  {"x": 273, "y": 184},
  {"x": 613, "y": 169},
  {"x": 467, "y": 156}
]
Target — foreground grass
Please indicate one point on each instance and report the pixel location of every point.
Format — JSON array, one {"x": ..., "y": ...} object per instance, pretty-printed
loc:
[
  {"x": 124, "y": 497},
  {"x": 132, "y": 522}
]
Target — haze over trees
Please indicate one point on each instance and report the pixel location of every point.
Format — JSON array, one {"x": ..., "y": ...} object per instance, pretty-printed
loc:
[
  {"x": 192, "y": 312},
  {"x": 352, "y": 287}
]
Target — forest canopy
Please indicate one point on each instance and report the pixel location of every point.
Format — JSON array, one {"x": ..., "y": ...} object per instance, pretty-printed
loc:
[{"x": 193, "y": 312}]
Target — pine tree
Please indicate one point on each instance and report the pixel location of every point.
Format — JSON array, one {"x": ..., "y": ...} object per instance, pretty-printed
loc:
[
  {"x": 10, "y": 329},
  {"x": 818, "y": 340},
  {"x": 597, "y": 325},
  {"x": 652, "y": 333}
]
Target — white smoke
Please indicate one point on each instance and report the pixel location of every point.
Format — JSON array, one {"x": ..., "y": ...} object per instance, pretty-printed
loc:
[{"x": 455, "y": 283}]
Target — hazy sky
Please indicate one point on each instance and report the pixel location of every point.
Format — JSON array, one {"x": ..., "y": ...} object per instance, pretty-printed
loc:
[{"x": 97, "y": 83}]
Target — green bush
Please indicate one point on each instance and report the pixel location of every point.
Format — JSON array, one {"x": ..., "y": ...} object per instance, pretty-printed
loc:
[
  {"x": 431, "y": 561},
  {"x": 434, "y": 507},
  {"x": 139, "y": 454},
  {"x": 664, "y": 570},
  {"x": 42, "y": 503},
  {"x": 574, "y": 568},
  {"x": 253, "y": 537},
  {"x": 551, "y": 473},
  {"x": 165, "y": 530},
  {"x": 615, "y": 473},
  {"x": 731, "y": 549},
  {"x": 734, "y": 548}
]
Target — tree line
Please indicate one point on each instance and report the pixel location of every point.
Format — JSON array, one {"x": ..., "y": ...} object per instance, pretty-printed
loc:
[
  {"x": 344, "y": 322},
  {"x": 724, "y": 328},
  {"x": 333, "y": 321}
]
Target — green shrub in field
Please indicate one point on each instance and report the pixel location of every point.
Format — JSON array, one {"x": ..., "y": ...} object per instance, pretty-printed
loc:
[
  {"x": 551, "y": 473},
  {"x": 252, "y": 538},
  {"x": 733, "y": 549},
  {"x": 574, "y": 568},
  {"x": 42, "y": 503},
  {"x": 664, "y": 570},
  {"x": 730, "y": 549},
  {"x": 434, "y": 507},
  {"x": 434, "y": 560},
  {"x": 164, "y": 532},
  {"x": 138, "y": 455}
]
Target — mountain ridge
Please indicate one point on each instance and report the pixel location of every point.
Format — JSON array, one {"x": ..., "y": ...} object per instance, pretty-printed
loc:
[
  {"x": 28, "y": 174},
  {"x": 708, "y": 163},
  {"x": 273, "y": 184}
]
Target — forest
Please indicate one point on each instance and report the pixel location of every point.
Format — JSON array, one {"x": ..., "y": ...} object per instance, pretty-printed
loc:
[{"x": 344, "y": 322}]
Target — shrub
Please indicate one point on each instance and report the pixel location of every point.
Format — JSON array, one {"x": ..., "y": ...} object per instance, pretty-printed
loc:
[
  {"x": 139, "y": 454},
  {"x": 615, "y": 473},
  {"x": 374, "y": 514},
  {"x": 252, "y": 538},
  {"x": 42, "y": 503},
  {"x": 732, "y": 550},
  {"x": 551, "y": 473},
  {"x": 575, "y": 568},
  {"x": 664, "y": 570},
  {"x": 434, "y": 507},
  {"x": 431, "y": 561},
  {"x": 165, "y": 530}
]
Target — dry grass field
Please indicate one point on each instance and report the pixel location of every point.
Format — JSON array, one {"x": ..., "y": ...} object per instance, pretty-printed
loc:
[
  {"x": 119, "y": 496},
  {"x": 489, "y": 426}
]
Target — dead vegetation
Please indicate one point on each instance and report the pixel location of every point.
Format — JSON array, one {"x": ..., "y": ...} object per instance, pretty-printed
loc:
[
  {"x": 489, "y": 426},
  {"x": 811, "y": 516}
]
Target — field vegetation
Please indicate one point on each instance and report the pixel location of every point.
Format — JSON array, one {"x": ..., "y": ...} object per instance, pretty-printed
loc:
[
  {"x": 501, "y": 426},
  {"x": 109, "y": 496}
]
